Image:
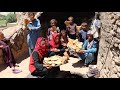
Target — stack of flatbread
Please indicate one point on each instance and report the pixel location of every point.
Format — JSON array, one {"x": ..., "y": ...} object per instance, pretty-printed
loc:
[
  {"x": 74, "y": 44},
  {"x": 55, "y": 60}
]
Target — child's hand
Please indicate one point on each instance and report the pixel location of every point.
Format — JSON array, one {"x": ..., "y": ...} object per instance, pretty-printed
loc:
[
  {"x": 1, "y": 46},
  {"x": 64, "y": 44},
  {"x": 52, "y": 49},
  {"x": 56, "y": 50},
  {"x": 82, "y": 51}
]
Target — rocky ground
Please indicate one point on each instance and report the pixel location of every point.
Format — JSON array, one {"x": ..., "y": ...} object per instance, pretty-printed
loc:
[{"x": 73, "y": 65}]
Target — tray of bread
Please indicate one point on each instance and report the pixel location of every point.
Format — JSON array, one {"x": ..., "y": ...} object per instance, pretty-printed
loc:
[
  {"x": 74, "y": 45},
  {"x": 55, "y": 60}
]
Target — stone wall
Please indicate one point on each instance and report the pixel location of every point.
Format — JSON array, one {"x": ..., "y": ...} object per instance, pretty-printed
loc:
[
  {"x": 109, "y": 49},
  {"x": 23, "y": 15},
  {"x": 18, "y": 41}
]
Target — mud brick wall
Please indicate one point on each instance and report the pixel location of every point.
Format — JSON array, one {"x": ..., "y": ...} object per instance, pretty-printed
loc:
[{"x": 109, "y": 49}]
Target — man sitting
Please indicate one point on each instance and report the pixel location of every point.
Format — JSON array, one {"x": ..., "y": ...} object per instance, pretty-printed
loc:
[{"x": 89, "y": 49}]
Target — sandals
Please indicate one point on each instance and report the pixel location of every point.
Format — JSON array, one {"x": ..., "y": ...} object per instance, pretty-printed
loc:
[{"x": 93, "y": 72}]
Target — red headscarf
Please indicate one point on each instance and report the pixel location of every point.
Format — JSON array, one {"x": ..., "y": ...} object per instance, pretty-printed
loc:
[
  {"x": 42, "y": 50},
  {"x": 52, "y": 42}
]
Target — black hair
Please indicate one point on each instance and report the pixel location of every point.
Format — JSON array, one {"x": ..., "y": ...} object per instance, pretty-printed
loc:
[
  {"x": 97, "y": 16},
  {"x": 63, "y": 30}
]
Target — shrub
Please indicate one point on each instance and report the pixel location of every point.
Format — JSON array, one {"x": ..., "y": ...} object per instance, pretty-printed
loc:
[
  {"x": 11, "y": 18},
  {"x": 2, "y": 17}
]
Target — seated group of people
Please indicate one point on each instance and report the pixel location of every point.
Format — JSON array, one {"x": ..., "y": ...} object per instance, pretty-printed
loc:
[{"x": 56, "y": 43}]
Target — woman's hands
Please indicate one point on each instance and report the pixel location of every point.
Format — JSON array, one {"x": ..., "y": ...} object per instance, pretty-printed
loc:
[
  {"x": 48, "y": 66},
  {"x": 55, "y": 50},
  {"x": 64, "y": 44}
]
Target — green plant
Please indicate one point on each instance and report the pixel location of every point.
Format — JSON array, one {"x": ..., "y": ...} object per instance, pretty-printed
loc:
[
  {"x": 2, "y": 17},
  {"x": 11, "y": 18}
]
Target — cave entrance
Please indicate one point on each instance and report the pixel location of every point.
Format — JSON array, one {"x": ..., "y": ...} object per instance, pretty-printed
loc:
[
  {"x": 62, "y": 16},
  {"x": 79, "y": 17}
]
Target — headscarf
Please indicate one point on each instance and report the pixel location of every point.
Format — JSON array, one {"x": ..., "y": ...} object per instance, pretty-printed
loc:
[
  {"x": 42, "y": 50},
  {"x": 52, "y": 42}
]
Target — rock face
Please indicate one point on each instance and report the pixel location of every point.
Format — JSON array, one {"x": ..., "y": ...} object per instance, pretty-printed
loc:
[
  {"x": 23, "y": 15},
  {"x": 18, "y": 41},
  {"x": 109, "y": 49}
]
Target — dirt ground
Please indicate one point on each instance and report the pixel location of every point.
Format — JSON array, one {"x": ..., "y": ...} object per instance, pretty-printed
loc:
[
  {"x": 73, "y": 65},
  {"x": 23, "y": 65}
]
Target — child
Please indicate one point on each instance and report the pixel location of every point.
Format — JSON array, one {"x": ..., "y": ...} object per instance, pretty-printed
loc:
[
  {"x": 71, "y": 28},
  {"x": 8, "y": 56},
  {"x": 90, "y": 48},
  {"x": 63, "y": 38},
  {"x": 82, "y": 34},
  {"x": 55, "y": 46},
  {"x": 96, "y": 25},
  {"x": 33, "y": 31},
  {"x": 53, "y": 29}
]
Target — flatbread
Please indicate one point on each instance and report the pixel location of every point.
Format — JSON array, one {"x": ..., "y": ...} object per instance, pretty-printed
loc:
[
  {"x": 74, "y": 45},
  {"x": 55, "y": 60}
]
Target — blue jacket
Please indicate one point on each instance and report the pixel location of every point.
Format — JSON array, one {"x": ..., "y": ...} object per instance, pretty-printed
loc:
[
  {"x": 34, "y": 33},
  {"x": 82, "y": 35},
  {"x": 93, "y": 49}
]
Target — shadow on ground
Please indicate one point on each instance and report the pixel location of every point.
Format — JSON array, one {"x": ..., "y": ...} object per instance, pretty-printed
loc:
[
  {"x": 81, "y": 64},
  {"x": 61, "y": 74},
  {"x": 78, "y": 64}
]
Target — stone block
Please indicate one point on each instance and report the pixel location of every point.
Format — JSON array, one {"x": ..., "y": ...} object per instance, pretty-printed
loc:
[{"x": 117, "y": 68}]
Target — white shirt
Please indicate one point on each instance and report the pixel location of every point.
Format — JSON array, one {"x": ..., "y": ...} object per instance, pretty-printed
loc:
[{"x": 95, "y": 26}]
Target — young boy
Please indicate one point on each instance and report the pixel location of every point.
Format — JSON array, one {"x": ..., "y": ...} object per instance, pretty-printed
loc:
[
  {"x": 82, "y": 34},
  {"x": 71, "y": 28},
  {"x": 89, "y": 49},
  {"x": 96, "y": 25},
  {"x": 33, "y": 31}
]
